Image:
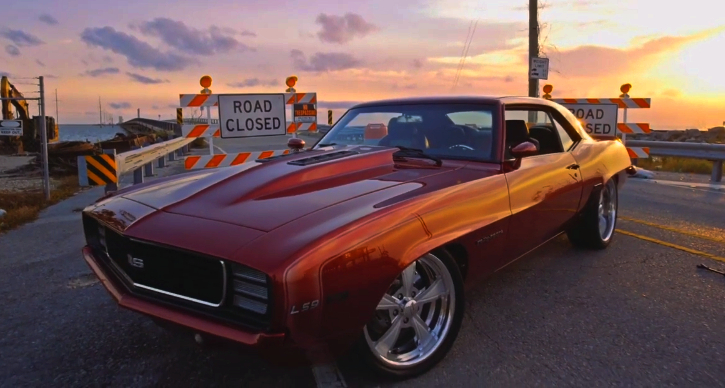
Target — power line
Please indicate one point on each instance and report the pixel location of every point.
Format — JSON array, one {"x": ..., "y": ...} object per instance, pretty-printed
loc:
[
  {"x": 467, "y": 44},
  {"x": 463, "y": 51},
  {"x": 466, "y": 54}
]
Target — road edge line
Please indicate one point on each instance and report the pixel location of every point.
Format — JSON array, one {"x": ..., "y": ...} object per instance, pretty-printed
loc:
[
  {"x": 671, "y": 245},
  {"x": 663, "y": 227}
]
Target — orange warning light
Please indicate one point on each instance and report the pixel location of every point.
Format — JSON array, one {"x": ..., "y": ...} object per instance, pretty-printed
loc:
[
  {"x": 625, "y": 88},
  {"x": 548, "y": 88},
  {"x": 291, "y": 81},
  {"x": 205, "y": 81}
]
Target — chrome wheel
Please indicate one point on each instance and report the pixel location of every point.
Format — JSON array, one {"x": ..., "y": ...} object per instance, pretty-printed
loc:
[
  {"x": 607, "y": 210},
  {"x": 415, "y": 315}
]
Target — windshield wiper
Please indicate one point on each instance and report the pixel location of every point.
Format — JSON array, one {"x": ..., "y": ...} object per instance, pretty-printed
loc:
[
  {"x": 326, "y": 144},
  {"x": 415, "y": 152}
]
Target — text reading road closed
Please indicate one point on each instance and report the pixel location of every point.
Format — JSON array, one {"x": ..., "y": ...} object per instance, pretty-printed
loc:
[
  {"x": 250, "y": 115},
  {"x": 599, "y": 120}
]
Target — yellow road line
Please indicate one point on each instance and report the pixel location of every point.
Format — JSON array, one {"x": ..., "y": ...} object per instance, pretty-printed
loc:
[
  {"x": 671, "y": 229},
  {"x": 670, "y": 245}
]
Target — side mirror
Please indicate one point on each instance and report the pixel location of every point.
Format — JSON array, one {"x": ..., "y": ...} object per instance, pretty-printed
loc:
[{"x": 524, "y": 149}]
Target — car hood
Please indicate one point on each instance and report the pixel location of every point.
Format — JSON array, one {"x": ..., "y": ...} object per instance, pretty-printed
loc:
[{"x": 264, "y": 196}]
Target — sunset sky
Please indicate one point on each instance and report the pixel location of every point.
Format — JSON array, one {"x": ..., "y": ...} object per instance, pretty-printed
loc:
[{"x": 142, "y": 54}]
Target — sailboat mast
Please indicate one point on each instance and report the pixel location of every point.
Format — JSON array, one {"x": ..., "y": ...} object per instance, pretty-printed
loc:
[
  {"x": 100, "y": 112},
  {"x": 56, "y": 106}
]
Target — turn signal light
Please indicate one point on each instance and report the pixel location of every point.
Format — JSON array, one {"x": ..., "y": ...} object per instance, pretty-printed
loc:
[{"x": 251, "y": 289}]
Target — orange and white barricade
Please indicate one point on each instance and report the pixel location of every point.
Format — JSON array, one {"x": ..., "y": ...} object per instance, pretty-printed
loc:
[
  {"x": 624, "y": 102},
  {"x": 227, "y": 160},
  {"x": 301, "y": 98}
]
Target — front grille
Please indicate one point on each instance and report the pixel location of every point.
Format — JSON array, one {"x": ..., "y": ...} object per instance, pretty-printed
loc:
[
  {"x": 181, "y": 274},
  {"x": 213, "y": 287}
]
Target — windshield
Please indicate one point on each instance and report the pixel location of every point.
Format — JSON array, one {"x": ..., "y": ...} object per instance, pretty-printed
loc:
[{"x": 453, "y": 131}]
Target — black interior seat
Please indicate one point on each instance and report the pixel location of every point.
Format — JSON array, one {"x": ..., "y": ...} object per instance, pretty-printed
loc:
[
  {"x": 548, "y": 141},
  {"x": 482, "y": 141},
  {"x": 405, "y": 135},
  {"x": 445, "y": 136},
  {"x": 517, "y": 132}
]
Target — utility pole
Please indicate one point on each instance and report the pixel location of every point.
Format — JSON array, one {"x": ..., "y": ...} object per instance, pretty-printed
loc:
[
  {"x": 533, "y": 44},
  {"x": 44, "y": 141}
]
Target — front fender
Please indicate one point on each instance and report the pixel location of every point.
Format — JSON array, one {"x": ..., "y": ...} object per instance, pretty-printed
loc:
[
  {"x": 344, "y": 280},
  {"x": 348, "y": 273}
]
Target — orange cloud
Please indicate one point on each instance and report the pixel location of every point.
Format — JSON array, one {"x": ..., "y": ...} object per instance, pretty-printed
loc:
[{"x": 598, "y": 61}]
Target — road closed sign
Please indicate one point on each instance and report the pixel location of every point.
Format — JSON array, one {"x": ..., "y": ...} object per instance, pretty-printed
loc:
[
  {"x": 252, "y": 115},
  {"x": 599, "y": 120},
  {"x": 11, "y": 127}
]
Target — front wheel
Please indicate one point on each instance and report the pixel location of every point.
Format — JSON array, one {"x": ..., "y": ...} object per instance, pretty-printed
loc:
[
  {"x": 595, "y": 228},
  {"x": 418, "y": 319}
]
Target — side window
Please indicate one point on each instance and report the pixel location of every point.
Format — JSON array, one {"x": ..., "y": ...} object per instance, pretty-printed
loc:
[
  {"x": 531, "y": 117},
  {"x": 540, "y": 130},
  {"x": 566, "y": 140}
]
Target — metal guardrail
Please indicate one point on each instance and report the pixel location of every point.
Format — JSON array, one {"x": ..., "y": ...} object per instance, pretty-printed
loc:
[
  {"x": 153, "y": 124},
  {"x": 705, "y": 151},
  {"x": 140, "y": 161},
  {"x": 200, "y": 121},
  {"x": 134, "y": 159}
]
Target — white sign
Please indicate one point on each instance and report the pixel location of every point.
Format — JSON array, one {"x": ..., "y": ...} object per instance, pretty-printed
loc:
[
  {"x": 599, "y": 120},
  {"x": 11, "y": 127},
  {"x": 305, "y": 119},
  {"x": 252, "y": 115},
  {"x": 539, "y": 68}
]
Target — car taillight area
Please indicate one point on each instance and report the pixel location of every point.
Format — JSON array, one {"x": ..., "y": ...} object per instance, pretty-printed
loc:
[{"x": 209, "y": 286}]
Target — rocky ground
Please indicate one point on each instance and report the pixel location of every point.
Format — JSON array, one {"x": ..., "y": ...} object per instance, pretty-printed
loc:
[
  {"x": 713, "y": 135},
  {"x": 22, "y": 173}
]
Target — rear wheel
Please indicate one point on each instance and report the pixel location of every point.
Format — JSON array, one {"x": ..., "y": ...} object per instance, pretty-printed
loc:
[
  {"x": 418, "y": 318},
  {"x": 595, "y": 227}
]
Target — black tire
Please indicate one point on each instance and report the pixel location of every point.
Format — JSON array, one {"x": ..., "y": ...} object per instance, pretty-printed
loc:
[
  {"x": 585, "y": 231},
  {"x": 384, "y": 368}
]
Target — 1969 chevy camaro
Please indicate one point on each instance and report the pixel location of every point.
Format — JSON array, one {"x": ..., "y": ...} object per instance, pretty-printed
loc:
[{"x": 365, "y": 240}]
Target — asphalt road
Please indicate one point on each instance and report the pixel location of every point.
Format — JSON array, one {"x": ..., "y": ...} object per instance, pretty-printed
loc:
[{"x": 637, "y": 314}]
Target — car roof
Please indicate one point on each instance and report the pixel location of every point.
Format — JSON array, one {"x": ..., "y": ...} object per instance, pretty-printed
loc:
[
  {"x": 486, "y": 100},
  {"x": 489, "y": 100}
]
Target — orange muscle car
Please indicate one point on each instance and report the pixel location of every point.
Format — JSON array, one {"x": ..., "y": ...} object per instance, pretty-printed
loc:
[{"x": 365, "y": 240}]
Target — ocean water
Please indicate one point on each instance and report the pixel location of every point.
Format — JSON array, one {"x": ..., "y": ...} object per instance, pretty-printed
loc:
[{"x": 87, "y": 132}]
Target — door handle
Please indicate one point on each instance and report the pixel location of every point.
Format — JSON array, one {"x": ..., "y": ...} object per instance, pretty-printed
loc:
[{"x": 572, "y": 166}]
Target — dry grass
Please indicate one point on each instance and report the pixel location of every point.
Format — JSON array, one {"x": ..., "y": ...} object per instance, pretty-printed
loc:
[
  {"x": 672, "y": 164},
  {"x": 24, "y": 207}
]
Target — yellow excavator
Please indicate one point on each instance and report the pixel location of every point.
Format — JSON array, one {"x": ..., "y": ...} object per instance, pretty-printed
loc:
[{"x": 30, "y": 140}]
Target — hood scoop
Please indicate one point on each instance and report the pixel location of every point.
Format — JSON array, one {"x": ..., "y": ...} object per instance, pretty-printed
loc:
[{"x": 322, "y": 158}]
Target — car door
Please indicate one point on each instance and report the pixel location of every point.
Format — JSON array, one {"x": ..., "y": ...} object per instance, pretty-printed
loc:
[{"x": 545, "y": 189}]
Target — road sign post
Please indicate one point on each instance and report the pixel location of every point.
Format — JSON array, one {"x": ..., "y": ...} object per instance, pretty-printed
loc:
[
  {"x": 291, "y": 81},
  {"x": 205, "y": 83}
]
